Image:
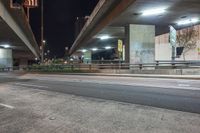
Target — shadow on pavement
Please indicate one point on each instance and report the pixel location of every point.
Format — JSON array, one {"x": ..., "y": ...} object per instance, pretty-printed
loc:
[{"x": 8, "y": 80}]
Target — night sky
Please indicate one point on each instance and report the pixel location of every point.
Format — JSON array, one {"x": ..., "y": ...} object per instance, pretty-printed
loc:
[{"x": 59, "y": 19}]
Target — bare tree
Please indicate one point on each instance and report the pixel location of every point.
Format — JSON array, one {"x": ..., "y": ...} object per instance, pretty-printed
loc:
[{"x": 187, "y": 38}]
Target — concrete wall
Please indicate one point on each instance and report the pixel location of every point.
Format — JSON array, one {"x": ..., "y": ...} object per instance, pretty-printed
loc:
[
  {"x": 6, "y": 59},
  {"x": 140, "y": 43},
  {"x": 163, "y": 49}
]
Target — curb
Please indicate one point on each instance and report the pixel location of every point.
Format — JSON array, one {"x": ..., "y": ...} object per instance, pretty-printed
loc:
[{"x": 189, "y": 77}]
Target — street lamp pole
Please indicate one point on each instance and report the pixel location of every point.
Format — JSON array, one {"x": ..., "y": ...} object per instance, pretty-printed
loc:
[
  {"x": 28, "y": 14},
  {"x": 42, "y": 31}
]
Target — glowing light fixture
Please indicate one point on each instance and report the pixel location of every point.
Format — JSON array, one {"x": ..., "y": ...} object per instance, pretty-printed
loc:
[
  {"x": 84, "y": 50},
  {"x": 188, "y": 21},
  {"x": 151, "y": 12},
  {"x": 104, "y": 37},
  {"x": 108, "y": 47},
  {"x": 94, "y": 49},
  {"x": 5, "y": 46}
]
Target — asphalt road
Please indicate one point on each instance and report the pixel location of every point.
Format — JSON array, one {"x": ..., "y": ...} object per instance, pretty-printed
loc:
[{"x": 162, "y": 95}]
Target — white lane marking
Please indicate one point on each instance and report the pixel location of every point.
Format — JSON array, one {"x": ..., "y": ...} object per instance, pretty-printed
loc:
[
  {"x": 183, "y": 81},
  {"x": 31, "y": 85},
  {"x": 7, "y": 106},
  {"x": 179, "y": 86},
  {"x": 184, "y": 85}
]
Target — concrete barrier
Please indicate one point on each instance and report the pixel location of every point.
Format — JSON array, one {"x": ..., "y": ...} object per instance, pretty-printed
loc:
[{"x": 156, "y": 71}]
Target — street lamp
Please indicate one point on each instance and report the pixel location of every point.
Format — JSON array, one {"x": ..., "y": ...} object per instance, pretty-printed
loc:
[{"x": 42, "y": 31}]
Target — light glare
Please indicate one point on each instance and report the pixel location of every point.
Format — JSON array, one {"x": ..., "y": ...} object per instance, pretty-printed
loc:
[
  {"x": 108, "y": 47},
  {"x": 84, "y": 50},
  {"x": 188, "y": 21},
  {"x": 5, "y": 46},
  {"x": 154, "y": 12},
  {"x": 105, "y": 37},
  {"x": 94, "y": 49}
]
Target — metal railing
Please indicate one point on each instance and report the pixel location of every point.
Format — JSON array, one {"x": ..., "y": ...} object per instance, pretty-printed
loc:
[
  {"x": 119, "y": 66},
  {"x": 105, "y": 65},
  {"x": 8, "y": 69}
]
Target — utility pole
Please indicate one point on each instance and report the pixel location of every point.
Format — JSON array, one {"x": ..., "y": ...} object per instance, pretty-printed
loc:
[{"x": 42, "y": 31}]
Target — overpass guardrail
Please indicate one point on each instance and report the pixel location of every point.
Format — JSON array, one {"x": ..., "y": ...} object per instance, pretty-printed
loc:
[{"x": 105, "y": 65}]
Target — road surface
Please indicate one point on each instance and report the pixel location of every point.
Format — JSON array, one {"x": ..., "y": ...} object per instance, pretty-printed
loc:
[{"x": 180, "y": 95}]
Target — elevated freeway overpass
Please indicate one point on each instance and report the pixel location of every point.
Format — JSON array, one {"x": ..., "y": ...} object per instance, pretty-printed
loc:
[
  {"x": 17, "y": 41},
  {"x": 136, "y": 23}
]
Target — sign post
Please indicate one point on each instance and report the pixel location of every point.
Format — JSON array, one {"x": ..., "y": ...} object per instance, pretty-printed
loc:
[
  {"x": 120, "y": 51},
  {"x": 30, "y": 4},
  {"x": 120, "y": 48}
]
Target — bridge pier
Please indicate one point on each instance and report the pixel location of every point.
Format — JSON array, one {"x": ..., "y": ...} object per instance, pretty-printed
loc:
[
  {"x": 140, "y": 43},
  {"x": 23, "y": 63},
  {"x": 87, "y": 57},
  {"x": 6, "y": 58}
]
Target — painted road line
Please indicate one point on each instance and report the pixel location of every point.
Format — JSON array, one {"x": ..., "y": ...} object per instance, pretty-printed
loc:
[
  {"x": 31, "y": 85},
  {"x": 7, "y": 106},
  {"x": 179, "y": 86},
  {"x": 184, "y": 85}
]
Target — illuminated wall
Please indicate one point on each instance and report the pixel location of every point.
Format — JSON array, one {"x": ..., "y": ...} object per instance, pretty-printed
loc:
[
  {"x": 163, "y": 49},
  {"x": 6, "y": 59}
]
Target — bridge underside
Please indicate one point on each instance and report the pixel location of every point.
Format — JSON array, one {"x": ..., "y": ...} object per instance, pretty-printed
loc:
[
  {"x": 118, "y": 27},
  {"x": 16, "y": 37},
  {"x": 8, "y": 38}
]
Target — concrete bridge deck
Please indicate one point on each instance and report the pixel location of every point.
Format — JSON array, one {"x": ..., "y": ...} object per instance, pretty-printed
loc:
[{"x": 16, "y": 33}]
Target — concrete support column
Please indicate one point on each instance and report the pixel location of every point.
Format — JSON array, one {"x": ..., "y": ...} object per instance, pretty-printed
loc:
[
  {"x": 23, "y": 63},
  {"x": 6, "y": 58},
  {"x": 140, "y": 44},
  {"x": 87, "y": 57}
]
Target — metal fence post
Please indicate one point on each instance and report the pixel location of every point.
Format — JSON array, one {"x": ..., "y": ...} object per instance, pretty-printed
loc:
[
  {"x": 140, "y": 65},
  {"x": 157, "y": 63},
  {"x": 72, "y": 67},
  {"x": 90, "y": 67}
]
